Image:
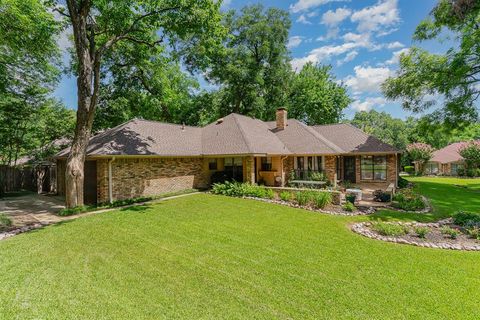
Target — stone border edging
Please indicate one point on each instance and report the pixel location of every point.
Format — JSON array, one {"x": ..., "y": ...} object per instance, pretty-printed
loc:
[
  {"x": 363, "y": 229},
  {"x": 294, "y": 205},
  {"x": 36, "y": 226}
]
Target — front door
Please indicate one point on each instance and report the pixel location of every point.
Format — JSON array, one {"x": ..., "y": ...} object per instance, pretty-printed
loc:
[{"x": 349, "y": 169}]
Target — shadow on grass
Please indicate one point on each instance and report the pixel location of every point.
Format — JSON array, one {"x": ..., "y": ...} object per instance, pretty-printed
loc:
[
  {"x": 140, "y": 208},
  {"x": 390, "y": 215}
]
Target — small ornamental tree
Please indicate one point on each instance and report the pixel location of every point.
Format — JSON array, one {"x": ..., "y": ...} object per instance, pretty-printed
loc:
[
  {"x": 420, "y": 153},
  {"x": 471, "y": 153}
]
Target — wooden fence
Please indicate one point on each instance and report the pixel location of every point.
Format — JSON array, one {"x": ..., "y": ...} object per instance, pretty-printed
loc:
[{"x": 40, "y": 179}]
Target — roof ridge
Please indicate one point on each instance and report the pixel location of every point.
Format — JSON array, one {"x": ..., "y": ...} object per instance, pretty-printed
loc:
[
  {"x": 167, "y": 123},
  {"x": 317, "y": 135},
  {"x": 242, "y": 132}
]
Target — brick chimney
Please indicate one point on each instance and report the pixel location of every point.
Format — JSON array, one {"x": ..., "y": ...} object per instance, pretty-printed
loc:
[{"x": 281, "y": 118}]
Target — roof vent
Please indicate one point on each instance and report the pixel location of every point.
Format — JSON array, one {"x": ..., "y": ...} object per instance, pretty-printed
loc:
[{"x": 220, "y": 121}]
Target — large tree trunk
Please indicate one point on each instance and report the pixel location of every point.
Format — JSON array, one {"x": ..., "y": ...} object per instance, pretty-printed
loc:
[{"x": 87, "y": 90}]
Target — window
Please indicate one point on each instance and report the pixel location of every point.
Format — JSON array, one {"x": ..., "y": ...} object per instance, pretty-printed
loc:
[
  {"x": 374, "y": 168},
  {"x": 319, "y": 163},
  {"x": 266, "y": 164},
  {"x": 234, "y": 168},
  {"x": 300, "y": 163},
  {"x": 431, "y": 168},
  {"x": 310, "y": 163},
  {"x": 212, "y": 164}
]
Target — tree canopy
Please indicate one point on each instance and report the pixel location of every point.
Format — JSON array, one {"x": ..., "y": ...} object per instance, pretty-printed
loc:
[{"x": 452, "y": 78}]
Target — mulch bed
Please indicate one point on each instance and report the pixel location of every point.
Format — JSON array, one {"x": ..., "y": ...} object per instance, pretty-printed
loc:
[
  {"x": 434, "y": 239},
  {"x": 330, "y": 209}
]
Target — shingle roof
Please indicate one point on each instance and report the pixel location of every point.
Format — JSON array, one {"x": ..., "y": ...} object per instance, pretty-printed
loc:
[
  {"x": 449, "y": 153},
  {"x": 234, "y": 134},
  {"x": 350, "y": 139},
  {"x": 238, "y": 134},
  {"x": 302, "y": 139},
  {"x": 143, "y": 137}
]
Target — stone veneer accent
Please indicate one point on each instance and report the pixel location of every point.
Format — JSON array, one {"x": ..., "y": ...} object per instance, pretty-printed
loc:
[
  {"x": 147, "y": 177},
  {"x": 330, "y": 167}
]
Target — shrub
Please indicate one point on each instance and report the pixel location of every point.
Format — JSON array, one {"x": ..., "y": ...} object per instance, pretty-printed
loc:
[
  {"x": 72, "y": 211},
  {"x": 321, "y": 199},
  {"x": 285, "y": 196},
  {"x": 303, "y": 197},
  {"x": 5, "y": 222},
  {"x": 348, "y": 206},
  {"x": 390, "y": 229},
  {"x": 350, "y": 198},
  {"x": 422, "y": 231},
  {"x": 463, "y": 218},
  {"x": 236, "y": 189},
  {"x": 318, "y": 176},
  {"x": 381, "y": 196},
  {"x": 452, "y": 233},
  {"x": 460, "y": 172},
  {"x": 402, "y": 183},
  {"x": 409, "y": 169},
  {"x": 407, "y": 200},
  {"x": 474, "y": 232}
]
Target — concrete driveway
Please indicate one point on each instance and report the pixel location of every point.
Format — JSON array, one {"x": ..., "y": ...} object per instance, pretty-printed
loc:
[{"x": 32, "y": 208}]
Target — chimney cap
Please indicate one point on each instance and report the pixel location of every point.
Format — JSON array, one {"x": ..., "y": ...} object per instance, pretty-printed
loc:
[
  {"x": 282, "y": 109},
  {"x": 219, "y": 120}
]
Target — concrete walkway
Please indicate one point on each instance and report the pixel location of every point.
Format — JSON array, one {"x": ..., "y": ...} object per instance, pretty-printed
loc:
[{"x": 32, "y": 208}]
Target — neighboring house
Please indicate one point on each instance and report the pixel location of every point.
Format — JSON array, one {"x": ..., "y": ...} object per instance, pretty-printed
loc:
[
  {"x": 143, "y": 157},
  {"x": 446, "y": 161}
]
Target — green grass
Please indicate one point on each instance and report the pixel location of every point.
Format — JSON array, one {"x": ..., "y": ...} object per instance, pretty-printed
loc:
[
  {"x": 447, "y": 196},
  {"x": 206, "y": 256}
]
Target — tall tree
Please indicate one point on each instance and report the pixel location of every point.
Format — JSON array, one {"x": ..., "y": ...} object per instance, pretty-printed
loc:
[
  {"x": 254, "y": 69},
  {"x": 315, "y": 97},
  {"x": 28, "y": 70},
  {"x": 386, "y": 128},
  {"x": 190, "y": 27},
  {"x": 454, "y": 75}
]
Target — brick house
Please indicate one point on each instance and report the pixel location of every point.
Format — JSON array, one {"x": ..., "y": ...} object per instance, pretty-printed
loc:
[
  {"x": 446, "y": 161},
  {"x": 141, "y": 157}
]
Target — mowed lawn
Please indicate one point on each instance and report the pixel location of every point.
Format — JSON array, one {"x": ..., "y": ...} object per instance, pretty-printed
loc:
[{"x": 206, "y": 256}]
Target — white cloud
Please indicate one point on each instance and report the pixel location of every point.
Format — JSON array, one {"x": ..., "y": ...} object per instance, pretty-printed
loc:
[
  {"x": 303, "y": 19},
  {"x": 368, "y": 103},
  {"x": 294, "y": 41},
  {"x": 348, "y": 57},
  {"x": 304, "y": 5},
  {"x": 396, "y": 56},
  {"x": 395, "y": 45},
  {"x": 374, "y": 18},
  {"x": 226, "y": 4},
  {"x": 367, "y": 79},
  {"x": 334, "y": 18}
]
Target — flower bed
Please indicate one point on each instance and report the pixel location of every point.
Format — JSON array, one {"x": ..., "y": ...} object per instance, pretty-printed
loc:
[
  {"x": 314, "y": 200},
  {"x": 451, "y": 233}
]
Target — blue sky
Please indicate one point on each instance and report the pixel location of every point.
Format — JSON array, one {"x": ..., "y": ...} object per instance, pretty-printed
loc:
[{"x": 361, "y": 39}]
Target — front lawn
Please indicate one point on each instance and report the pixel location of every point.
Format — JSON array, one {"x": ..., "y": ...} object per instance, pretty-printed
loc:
[
  {"x": 206, "y": 256},
  {"x": 447, "y": 196}
]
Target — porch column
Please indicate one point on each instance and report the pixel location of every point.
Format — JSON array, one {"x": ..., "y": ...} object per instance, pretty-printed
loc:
[
  {"x": 250, "y": 169},
  {"x": 331, "y": 169}
]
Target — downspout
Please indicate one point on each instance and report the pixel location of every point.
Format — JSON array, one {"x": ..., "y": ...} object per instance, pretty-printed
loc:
[
  {"x": 110, "y": 180},
  {"x": 397, "y": 167}
]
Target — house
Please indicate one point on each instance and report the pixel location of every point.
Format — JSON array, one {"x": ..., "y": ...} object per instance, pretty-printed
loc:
[
  {"x": 142, "y": 157},
  {"x": 446, "y": 161}
]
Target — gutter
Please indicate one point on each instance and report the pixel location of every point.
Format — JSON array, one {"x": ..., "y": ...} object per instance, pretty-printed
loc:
[{"x": 110, "y": 180}]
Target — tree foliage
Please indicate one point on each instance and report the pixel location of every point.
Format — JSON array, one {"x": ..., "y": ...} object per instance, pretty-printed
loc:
[
  {"x": 471, "y": 153},
  {"x": 254, "y": 69},
  {"x": 420, "y": 153},
  {"x": 315, "y": 97},
  {"x": 424, "y": 77}
]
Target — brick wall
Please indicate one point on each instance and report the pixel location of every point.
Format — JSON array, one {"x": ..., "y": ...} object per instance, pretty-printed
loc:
[
  {"x": 144, "y": 177},
  {"x": 330, "y": 167}
]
